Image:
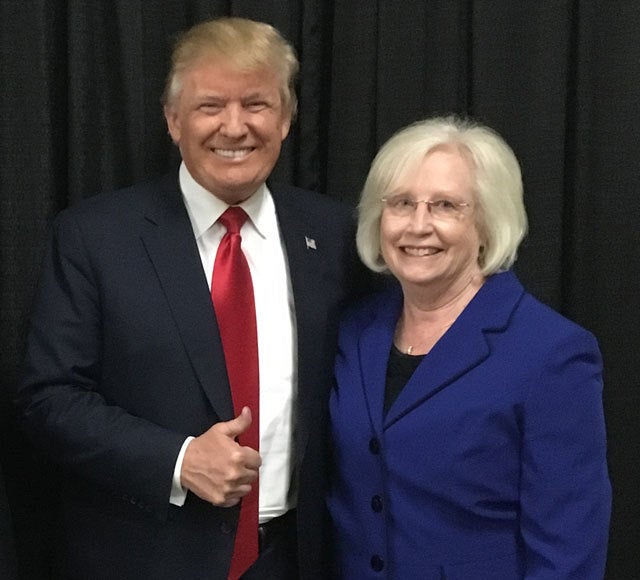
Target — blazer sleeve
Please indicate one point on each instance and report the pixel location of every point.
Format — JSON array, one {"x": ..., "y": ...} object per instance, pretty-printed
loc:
[
  {"x": 62, "y": 408},
  {"x": 565, "y": 489}
]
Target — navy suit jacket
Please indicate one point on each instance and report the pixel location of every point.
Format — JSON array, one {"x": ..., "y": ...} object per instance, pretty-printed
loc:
[
  {"x": 124, "y": 360},
  {"x": 490, "y": 464}
]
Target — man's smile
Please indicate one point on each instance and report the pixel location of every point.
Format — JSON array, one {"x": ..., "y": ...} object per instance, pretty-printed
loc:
[{"x": 233, "y": 153}]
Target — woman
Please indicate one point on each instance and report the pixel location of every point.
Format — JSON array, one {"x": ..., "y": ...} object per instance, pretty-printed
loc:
[{"x": 467, "y": 417}]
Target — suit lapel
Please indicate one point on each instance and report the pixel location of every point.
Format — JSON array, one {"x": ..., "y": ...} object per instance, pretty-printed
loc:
[
  {"x": 172, "y": 248},
  {"x": 305, "y": 244}
]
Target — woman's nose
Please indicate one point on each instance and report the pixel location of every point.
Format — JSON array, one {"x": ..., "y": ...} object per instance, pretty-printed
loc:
[{"x": 421, "y": 219}]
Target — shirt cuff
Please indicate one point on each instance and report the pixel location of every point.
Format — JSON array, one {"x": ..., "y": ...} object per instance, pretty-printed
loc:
[{"x": 179, "y": 493}]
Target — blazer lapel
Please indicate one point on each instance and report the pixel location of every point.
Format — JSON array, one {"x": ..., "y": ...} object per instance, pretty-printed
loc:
[
  {"x": 172, "y": 248},
  {"x": 457, "y": 352},
  {"x": 374, "y": 347},
  {"x": 463, "y": 347}
]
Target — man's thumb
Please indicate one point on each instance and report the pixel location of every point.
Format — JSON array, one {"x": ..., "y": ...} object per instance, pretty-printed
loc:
[{"x": 240, "y": 424}]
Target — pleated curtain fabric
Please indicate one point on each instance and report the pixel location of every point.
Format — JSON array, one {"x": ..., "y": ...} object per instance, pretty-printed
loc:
[{"x": 80, "y": 113}]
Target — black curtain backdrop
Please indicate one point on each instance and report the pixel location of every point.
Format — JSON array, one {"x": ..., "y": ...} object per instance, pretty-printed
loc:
[{"x": 560, "y": 79}]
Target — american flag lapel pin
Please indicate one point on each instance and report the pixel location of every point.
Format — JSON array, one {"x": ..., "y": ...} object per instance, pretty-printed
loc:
[{"x": 311, "y": 243}]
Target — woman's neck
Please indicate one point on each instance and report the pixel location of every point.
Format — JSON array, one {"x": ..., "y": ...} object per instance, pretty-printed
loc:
[{"x": 427, "y": 315}]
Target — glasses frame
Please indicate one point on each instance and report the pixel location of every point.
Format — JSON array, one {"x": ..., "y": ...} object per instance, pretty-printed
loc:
[{"x": 430, "y": 203}]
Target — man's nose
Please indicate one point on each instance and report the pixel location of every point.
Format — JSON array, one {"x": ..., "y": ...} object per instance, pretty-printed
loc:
[{"x": 233, "y": 121}]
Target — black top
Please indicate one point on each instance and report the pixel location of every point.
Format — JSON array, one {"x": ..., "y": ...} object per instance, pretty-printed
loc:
[{"x": 399, "y": 370}]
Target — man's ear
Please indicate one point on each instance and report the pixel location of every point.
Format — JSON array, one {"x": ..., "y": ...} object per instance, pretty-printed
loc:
[
  {"x": 173, "y": 122},
  {"x": 286, "y": 126}
]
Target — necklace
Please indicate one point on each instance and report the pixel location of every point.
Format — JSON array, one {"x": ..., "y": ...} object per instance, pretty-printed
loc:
[{"x": 433, "y": 338}]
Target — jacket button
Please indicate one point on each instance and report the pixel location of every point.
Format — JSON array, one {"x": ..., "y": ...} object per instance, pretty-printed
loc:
[
  {"x": 376, "y": 504},
  {"x": 374, "y": 445},
  {"x": 225, "y": 528},
  {"x": 377, "y": 563}
]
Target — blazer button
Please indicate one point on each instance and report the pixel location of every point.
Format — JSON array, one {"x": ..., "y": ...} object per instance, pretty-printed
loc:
[
  {"x": 376, "y": 504},
  {"x": 374, "y": 445},
  {"x": 377, "y": 563}
]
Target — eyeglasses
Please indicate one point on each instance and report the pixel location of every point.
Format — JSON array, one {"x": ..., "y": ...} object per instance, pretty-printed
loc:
[{"x": 403, "y": 206}]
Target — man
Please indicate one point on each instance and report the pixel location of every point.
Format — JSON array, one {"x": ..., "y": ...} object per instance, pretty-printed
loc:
[{"x": 129, "y": 383}]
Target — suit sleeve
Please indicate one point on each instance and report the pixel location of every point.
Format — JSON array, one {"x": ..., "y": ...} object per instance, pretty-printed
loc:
[
  {"x": 565, "y": 489},
  {"x": 62, "y": 407}
]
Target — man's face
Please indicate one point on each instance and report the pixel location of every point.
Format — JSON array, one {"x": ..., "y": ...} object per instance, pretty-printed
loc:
[{"x": 229, "y": 126}]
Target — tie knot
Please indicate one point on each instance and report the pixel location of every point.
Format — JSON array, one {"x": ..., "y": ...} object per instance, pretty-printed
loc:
[{"x": 233, "y": 219}]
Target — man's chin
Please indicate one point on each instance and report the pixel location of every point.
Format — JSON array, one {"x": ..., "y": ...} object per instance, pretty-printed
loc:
[{"x": 234, "y": 192}]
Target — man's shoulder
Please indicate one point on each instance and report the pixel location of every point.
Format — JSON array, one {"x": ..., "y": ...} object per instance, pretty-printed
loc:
[
  {"x": 129, "y": 200},
  {"x": 307, "y": 200},
  {"x": 384, "y": 298}
]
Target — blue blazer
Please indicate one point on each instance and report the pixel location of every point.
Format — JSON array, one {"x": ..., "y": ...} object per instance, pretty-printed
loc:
[
  {"x": 490, "y": 464},
  {"x": 124, "y": 361}
]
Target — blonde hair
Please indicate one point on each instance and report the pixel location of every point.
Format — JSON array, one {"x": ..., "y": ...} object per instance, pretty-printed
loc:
[
  {"x": 500, "y": 217},
  {"x": 247, "y": 44}
]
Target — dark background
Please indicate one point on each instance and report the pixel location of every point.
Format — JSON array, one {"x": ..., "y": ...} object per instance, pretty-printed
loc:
[{"x": 559, "y": 79}]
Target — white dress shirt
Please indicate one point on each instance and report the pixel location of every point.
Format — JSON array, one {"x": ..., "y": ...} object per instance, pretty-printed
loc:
[{"x": 275, "y": 318}]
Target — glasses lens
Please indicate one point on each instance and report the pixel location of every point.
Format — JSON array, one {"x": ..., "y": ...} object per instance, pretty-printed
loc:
[
  {"x": 445, "y": 210},
  {"x": 400, "y": 205}
]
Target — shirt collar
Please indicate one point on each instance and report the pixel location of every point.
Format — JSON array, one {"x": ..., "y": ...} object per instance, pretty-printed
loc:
[{"x": 204, "y": 208}]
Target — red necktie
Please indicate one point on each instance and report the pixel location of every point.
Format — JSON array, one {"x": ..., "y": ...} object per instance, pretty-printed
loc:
[{"x": 232, "y": 295}]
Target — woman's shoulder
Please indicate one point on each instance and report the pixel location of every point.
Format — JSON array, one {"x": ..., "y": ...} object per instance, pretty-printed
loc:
[
  {"x": 504, "y": 305},
  {"x": 547, "y": 321}
]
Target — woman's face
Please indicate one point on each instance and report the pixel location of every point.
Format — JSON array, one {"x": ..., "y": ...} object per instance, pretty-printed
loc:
[{"x": 427, "y": 250}]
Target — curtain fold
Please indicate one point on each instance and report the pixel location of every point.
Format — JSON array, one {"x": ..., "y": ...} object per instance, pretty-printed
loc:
[{"x": 559, "y": 79}]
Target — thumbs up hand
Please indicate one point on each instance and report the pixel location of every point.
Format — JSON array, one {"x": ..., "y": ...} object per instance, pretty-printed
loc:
[{"x": 216, "y": 467}]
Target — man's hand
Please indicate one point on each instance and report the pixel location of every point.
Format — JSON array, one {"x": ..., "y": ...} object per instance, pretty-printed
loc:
[{"x": 216, "y": 468}]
